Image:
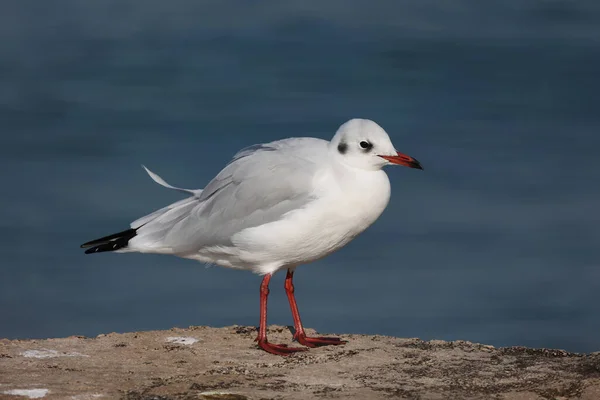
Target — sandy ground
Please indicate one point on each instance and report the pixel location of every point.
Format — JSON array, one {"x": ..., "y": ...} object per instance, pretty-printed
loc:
[{"x": 224, "y": 363}]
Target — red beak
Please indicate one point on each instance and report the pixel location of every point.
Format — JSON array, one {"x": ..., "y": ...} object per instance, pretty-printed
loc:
[{"x": 403, "y": 159}]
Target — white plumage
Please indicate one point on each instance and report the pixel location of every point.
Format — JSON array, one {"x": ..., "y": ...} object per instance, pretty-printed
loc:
[{"x": 275, "y": 205}]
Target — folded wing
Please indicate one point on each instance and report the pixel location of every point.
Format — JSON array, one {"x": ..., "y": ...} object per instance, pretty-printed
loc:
[{"x": 260, "y": 185}]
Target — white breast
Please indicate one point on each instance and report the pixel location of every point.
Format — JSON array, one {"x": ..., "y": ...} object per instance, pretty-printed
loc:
[{"x": 347, "y": 204}]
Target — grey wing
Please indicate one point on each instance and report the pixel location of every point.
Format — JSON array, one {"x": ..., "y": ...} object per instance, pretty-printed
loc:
[
  {"x": 260, "y": 185},
  {"x": 177, "y": 205}
]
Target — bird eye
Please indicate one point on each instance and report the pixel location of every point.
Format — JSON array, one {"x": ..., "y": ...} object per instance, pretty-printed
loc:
[{"x": 365, "y": 145}]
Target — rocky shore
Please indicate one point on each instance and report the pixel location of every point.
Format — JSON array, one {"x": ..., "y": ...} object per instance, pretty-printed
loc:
[{"x": 224, "y": 363}]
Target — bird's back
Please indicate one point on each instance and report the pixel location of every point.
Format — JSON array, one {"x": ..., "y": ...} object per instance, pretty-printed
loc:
[{"x": 260, "y": 185}]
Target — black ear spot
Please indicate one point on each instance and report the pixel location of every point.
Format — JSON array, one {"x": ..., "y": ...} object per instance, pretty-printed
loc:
[{"x": 342, "y": 147}]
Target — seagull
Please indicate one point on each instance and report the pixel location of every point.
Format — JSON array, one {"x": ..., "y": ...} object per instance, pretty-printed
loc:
[{"x": 273, "y": 207}]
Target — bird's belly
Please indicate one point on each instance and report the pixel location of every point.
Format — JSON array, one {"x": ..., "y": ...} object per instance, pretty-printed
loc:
[
  {"x": 300, "y": 238},
  {"x": 292, "y": 242},
  {"x": 311, "y": 233}
]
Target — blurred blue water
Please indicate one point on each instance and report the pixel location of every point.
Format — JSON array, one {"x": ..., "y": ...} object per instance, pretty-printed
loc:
[{"x": 497, "y": 240}]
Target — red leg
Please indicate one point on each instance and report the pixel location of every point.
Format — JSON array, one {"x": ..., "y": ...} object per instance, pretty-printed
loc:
[
  {"x": 300, "y": 335},
  {"x": 278, "y": 349}
]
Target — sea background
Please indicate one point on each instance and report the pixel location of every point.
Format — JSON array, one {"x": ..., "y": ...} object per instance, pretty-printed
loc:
[{"x": 497, "y": 241}]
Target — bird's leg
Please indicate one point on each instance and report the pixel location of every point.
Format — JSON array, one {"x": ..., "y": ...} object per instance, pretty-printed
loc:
[
  {"x": 263, "y": 343},
  {"x": 300, "y": 335}
]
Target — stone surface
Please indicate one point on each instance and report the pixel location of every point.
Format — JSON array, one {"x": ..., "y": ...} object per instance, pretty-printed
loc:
[{"x": 224, "y": 363}]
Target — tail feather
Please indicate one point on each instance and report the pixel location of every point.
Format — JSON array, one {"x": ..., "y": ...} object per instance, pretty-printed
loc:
[
  {"x": 120, "y": 240},
  {"x": 110, "y": 243}
]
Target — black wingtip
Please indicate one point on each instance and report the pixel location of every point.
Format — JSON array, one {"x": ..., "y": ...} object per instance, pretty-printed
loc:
[{"x": 112, "y": 242}]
